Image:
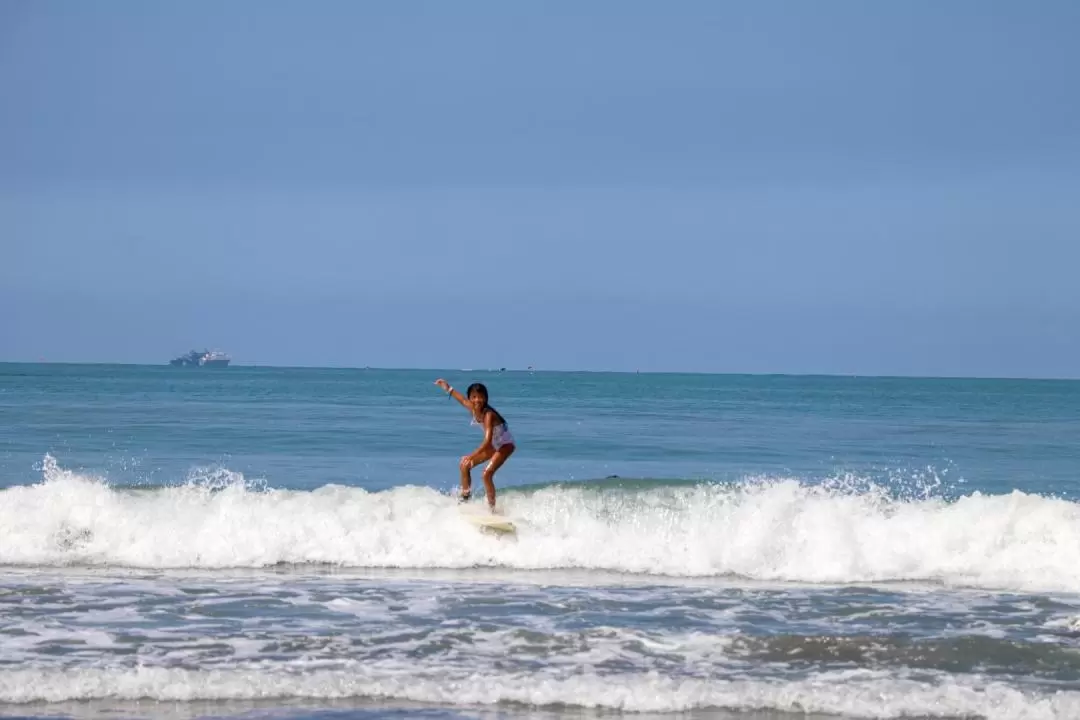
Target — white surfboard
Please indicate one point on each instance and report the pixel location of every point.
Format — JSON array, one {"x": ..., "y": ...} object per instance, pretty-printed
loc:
[{"x": 486, "y": 520}]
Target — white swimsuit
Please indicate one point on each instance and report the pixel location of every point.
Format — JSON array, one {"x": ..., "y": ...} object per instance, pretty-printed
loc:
[{"x": 500, "y": 434}]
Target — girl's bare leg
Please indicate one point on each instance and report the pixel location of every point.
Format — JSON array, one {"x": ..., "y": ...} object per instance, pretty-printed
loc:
[
  {"x": 466, "y": 472},
  {"x": 501, "y": 455}
]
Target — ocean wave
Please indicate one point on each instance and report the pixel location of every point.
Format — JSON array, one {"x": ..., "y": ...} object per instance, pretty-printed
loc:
[
  {"x": 776, "y": 529},
  {"x": 860, "y": 693}
]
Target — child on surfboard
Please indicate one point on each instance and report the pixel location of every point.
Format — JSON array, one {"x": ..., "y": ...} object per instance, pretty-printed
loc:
[{"x": 497, "y": 446}]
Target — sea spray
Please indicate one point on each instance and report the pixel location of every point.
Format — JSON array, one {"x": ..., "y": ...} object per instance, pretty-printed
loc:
[{"x": 762, "y": 528}]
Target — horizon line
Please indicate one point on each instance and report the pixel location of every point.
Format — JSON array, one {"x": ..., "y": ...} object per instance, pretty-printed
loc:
[{"x": 729, "y": 373}]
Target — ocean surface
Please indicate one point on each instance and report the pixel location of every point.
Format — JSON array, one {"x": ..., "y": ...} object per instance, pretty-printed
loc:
[{"x": 284, "y": 543}]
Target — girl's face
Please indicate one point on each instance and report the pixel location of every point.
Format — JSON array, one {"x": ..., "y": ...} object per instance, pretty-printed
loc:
[{"x": 477, "y": 401}]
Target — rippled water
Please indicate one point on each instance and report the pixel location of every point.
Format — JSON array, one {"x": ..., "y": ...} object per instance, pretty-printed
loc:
[{"x": 281, "y": 544}]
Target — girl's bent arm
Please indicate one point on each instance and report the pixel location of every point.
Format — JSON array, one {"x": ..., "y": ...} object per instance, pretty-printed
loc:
[{"x": 488, "y": 444}]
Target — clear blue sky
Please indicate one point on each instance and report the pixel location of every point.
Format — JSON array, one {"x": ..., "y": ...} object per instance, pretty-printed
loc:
[{"x": 841, "y": 187}]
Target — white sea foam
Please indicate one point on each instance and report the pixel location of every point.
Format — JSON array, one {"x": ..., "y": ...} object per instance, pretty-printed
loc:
[
  {"x": 862, "y": 693},
  {"x": 776, "y": 529}
]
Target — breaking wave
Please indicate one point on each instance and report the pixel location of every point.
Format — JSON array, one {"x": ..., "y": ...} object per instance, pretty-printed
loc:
[{"x": 767, "y": 529}]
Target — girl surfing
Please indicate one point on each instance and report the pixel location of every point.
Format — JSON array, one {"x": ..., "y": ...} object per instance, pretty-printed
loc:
[{"x": 498, "y": 443}]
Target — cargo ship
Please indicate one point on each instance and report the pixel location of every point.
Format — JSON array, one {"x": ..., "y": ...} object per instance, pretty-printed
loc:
[{"x": 206, "y": 358}]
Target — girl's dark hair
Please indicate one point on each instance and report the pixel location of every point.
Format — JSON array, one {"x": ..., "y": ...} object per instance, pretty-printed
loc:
[
  {"x": 477, "y": 388},
  {"x": 481, "y": 390}
]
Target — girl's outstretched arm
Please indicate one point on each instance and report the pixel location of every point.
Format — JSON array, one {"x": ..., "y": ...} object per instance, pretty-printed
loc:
[{"x": 454, "y": 393}]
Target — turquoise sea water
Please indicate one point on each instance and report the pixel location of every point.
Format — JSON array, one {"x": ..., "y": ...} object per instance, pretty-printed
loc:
[{"x": 282, "y": 542}]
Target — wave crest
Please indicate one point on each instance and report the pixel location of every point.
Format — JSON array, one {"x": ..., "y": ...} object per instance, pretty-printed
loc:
[{"x": 766, "y": 529}]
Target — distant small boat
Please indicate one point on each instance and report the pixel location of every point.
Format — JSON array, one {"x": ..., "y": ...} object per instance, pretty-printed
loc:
[{"x": 206, "y": 358}]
